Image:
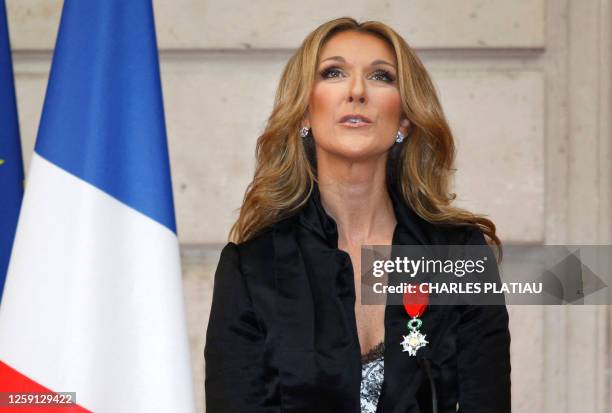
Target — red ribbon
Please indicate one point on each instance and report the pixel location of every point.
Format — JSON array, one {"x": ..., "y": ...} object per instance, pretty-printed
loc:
[{"x": 415, "y": 303}]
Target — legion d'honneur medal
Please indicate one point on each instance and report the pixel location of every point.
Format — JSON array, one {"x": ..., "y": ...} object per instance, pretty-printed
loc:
[{"x": 415, "y": 305}]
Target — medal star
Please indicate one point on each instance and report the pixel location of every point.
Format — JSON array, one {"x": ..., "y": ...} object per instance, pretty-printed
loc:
[{"x": 413, "y": 341}]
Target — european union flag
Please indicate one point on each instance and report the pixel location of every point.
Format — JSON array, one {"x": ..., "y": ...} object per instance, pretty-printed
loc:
[{"x": 11, "y": 164}]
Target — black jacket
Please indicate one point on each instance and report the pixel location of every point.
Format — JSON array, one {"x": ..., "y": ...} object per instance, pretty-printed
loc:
[{"x": 282, "y": 335}]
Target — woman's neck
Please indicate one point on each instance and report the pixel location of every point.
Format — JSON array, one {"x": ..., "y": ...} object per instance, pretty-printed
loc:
[{"x": 356, "y": 197}]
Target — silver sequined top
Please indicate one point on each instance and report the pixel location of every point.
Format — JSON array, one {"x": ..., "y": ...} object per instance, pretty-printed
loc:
[{"x": 372, "y": 374}]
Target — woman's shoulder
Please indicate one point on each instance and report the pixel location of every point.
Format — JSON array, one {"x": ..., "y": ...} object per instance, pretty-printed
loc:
[
  {"x": 263, "y": 238},
  {"x": 252, "y": 256}
]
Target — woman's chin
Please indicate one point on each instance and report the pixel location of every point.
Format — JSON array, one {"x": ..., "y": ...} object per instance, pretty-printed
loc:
[{"x": 358, "y": 152}]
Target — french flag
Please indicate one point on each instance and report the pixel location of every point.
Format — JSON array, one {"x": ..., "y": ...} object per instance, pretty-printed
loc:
[{"x": 93, "y": 301}]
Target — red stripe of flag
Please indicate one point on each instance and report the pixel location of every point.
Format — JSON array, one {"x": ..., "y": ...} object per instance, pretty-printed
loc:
[{"x": 12, "y": 381}]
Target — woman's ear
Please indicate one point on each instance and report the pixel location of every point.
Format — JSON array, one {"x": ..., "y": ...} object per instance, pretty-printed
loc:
[
  {"x": 405, "y": 125},
  {"x": 306, "y": 119}
]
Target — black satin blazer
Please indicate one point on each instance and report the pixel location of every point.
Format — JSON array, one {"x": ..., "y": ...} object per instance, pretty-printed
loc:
[{"x": 282, "y": 335}]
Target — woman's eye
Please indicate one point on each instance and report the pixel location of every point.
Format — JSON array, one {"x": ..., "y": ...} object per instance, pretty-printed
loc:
[
  {"x": 330, "y": 73},
  {"x": 383, "y": 75}
]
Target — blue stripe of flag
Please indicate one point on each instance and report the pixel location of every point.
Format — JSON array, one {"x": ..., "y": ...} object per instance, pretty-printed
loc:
[{"x": 103, "y": 117}]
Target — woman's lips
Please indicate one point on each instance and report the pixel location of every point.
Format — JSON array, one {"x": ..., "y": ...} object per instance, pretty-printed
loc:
[{"x": 359, "y": 124}]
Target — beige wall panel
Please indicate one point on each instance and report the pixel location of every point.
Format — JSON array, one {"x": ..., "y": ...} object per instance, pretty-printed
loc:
[
  {"x": 198, "y": 276},
  {"x": 527, "y": 364},
  {"x": 30, "y": 87},
  {"x": 33, "y": 24},
  {"x": 229, "y": 24},
  {"x": 215, "y": 109},
  {"x": 498, "y": 122}
]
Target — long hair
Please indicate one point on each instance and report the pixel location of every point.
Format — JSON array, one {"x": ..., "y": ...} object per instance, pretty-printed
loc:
[{"x": 421, "y": 166}]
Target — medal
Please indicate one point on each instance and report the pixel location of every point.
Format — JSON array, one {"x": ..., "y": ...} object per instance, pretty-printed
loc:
[{"x": 415, "y": 305}]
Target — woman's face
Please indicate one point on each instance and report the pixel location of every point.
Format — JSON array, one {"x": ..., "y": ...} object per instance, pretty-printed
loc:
[{"x": 355, "y": 108}]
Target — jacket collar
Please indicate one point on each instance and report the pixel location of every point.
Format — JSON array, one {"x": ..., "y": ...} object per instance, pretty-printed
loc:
[{"x": 411, "y": 228}]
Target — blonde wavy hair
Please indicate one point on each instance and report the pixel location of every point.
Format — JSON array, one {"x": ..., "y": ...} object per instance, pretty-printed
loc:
[{"x": 421, "y": 166}]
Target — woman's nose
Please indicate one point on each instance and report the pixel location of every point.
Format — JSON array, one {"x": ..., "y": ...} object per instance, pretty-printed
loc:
[{"x": 357, "y": 90}]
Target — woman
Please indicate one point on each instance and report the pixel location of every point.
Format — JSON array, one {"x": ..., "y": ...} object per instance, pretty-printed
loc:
[{"x": 356, "y": 152}]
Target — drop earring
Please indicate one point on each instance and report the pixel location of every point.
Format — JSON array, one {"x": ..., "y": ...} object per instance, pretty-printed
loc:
[
  {"x": 399, "y": 138},
  {"x": 304, "y": 132}
]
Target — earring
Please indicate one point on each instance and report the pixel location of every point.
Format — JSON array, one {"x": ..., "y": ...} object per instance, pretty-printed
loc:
[
  {"x": 304, "y": 132},
  {"x": 399, "y": 138}
]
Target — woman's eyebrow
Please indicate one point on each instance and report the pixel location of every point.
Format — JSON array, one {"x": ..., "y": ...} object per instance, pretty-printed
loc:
[
  {"x": 382, "y": 62},
  {"x": 375, "y": 62}
]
